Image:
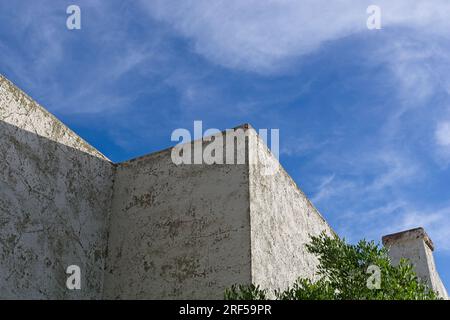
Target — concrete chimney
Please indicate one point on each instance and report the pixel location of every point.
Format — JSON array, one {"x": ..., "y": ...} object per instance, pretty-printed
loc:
[{"x": 417, "y": 247}]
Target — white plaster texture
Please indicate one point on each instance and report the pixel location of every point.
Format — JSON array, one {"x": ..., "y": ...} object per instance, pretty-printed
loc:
[
  {"x": 147, "y": 228},
  {"x": 282, "y": 220},
  {"x": 415, "y": 246},
  {"x": 55, "y": 193}
]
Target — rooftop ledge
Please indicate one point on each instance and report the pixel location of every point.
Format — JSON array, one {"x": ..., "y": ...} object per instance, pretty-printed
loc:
[{"x": 408, "y": 235}]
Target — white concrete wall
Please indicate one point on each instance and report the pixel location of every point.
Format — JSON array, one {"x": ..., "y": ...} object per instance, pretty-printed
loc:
[
  {"x": 190, "y": 231},
  {"x": 186, "y": 231},
  {"x": 177, "y": 231},
  {"x": 55, "y": 193},
  {"x": 160, "y": 230},
  {"x": 282, "y": 220},
  {"x": 415, "y": 246}
]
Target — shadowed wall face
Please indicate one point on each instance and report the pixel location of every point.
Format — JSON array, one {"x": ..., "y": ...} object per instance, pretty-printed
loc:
[{"x": 55, "y": 194}]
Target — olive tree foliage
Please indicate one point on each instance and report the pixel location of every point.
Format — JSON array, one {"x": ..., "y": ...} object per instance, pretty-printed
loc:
[{"x": 361, "y": 271}]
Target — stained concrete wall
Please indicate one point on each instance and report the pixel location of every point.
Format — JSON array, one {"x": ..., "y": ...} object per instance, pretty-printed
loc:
[
  {"x": 282, "y": 220},
  {"x": 147, "y": 228},
  {"x": 178, "y": 231},
  {"x": 190, "y": 231},
  {"x": 416, "y": 246},
  {"x": 55, "y": 194}
]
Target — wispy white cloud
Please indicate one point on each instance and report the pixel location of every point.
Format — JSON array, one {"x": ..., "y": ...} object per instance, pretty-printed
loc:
[
  {"x": 400, "y": 215},
  {"x": 264, "y": 36},
  {"x": 442, "y": 142},
  {"x": 52, "y": 62},
  {"x": 385, "y": 169},
  {"x": 436, "y": 222},
  {"x": 301, "y": 146},
  {"x": 270, "y": 37},
  {"x": 325, "y": 189},
  {"x": 443, "y": 134},
  {"x": 367, "y": 195}
]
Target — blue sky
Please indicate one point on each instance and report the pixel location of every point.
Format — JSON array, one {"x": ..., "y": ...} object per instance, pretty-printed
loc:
[{"x": 364, "y": 115}]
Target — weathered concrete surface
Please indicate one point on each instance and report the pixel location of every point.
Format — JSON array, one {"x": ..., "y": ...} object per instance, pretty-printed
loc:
[
  {"x": 175, "y": 231},
  {"x": 178, "y": 231},
  {"x": 417, "y": 247},
  {"x": 55, "y": 194},
  {"x": 282, "y": 220}
]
